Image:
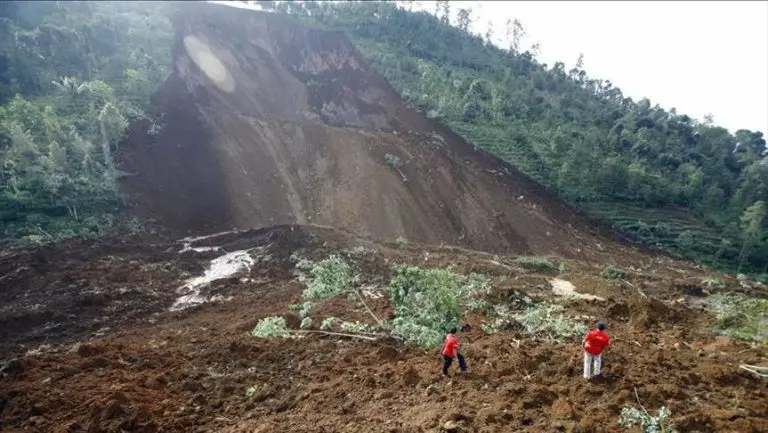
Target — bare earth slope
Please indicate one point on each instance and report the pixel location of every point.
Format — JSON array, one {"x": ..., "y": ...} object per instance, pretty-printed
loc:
[{"x": 267, "y": 122}]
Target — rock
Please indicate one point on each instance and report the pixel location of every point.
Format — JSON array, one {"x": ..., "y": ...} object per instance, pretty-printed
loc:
[
  {"x": 37, "y": 421},
  {"x": 12, "y": 367},
  {"x": 432, "y": 390},
  {"x": 450, "y": 426},
  {"x": 88, "y": 350},
  {"x": 561, "y": 409},
  {"x": 112, "y": 410},
  {"x": 411, "y": 377}
]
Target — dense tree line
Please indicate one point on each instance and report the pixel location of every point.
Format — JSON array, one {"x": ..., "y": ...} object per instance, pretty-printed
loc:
[
  {"x": 666, "y": 178},
  {"x": 72, "y": 76}
]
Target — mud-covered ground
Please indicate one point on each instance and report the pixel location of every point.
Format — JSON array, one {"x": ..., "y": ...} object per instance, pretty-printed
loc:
[{"x": 93, "y": 339}]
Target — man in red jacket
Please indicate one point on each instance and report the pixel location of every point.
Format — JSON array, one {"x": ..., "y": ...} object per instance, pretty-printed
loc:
[
  {"x": 451, "y": 350},
  {"x": 594, "y": 343}
]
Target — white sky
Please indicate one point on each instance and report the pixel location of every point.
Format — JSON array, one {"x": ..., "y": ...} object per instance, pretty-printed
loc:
[{"x": 697, "y": 56}]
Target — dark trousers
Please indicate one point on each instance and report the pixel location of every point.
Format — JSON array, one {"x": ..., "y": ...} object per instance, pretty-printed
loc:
[{"x": 447, "y": 361}]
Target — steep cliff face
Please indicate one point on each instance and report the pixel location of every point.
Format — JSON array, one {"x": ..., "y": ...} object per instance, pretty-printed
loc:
[{"x": 267, "y": 122}]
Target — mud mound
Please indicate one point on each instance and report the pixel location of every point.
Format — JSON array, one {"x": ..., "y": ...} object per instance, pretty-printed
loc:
[
  {"x": 265, "y": 122},
  {"x": 126, "y": 363}
]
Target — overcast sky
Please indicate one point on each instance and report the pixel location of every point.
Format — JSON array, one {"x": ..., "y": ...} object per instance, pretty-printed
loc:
[{"x": 697, "y": 56}]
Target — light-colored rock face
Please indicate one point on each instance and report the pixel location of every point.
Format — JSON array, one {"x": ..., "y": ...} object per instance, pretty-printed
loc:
[{"x": 268, "y": 123}]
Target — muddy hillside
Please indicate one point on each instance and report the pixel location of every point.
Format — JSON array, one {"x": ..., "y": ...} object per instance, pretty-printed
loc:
[{"x": 267, "y": 122}]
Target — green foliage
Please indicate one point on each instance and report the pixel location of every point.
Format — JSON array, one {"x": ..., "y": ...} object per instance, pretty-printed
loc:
[
  {"x": 271, "y": 327},
  {"x": 631, "y": 417},
  {"x": 614, "y": 273},
  {"x": 577, "y": 134},
  {"x": 74, "y": 76},
  {"x": 306, "y": 323},
  {"x": 428, "y": 302},
  {"x": 329, "y": 278},
  {"x": 741, "y": 317},
  {"x": 355, "y": 327},
  {"x": 538, "y": 264},
  {"x": 327, "y": 323},
  {"x": 393, "y": 161},
  {"x": 547, "y": 322}
]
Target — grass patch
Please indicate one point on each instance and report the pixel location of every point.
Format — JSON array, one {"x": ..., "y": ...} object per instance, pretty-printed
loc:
[
  {"x": 741, "y": 317},
  {"x": 539, "y": 264},
  {"x": 614, "y": 273}
]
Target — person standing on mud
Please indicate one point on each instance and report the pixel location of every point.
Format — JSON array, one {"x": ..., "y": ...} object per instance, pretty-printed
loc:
[
  {"x": 451, "y": 350},
  {"x": 594, "y": 343}
]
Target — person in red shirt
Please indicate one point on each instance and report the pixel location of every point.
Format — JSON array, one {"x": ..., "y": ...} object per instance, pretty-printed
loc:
[
  {"x": 594, "y": 343},
  {"x": 451, "y": 350}
]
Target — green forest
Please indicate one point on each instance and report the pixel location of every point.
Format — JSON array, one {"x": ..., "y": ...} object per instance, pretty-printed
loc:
[{"x": 73, "y": 75}]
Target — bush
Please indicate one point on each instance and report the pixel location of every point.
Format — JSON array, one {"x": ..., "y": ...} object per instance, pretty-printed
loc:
[
  {"x": 741, "y": 317},
  {"x": 306, "y": 323},
  {"x": 542, "y": 322},
  {"x": 271, "y": 327},
  {"x": 327, "y": 323},
  {"x": 428, "y": 302},
  {"x": 631, "y": 417},
  {"x": 329, "y": 278},
  {"x": 613, "y": 273},
  {"x": 353, "y": 327},
  {"x": 538, "y": 264}
]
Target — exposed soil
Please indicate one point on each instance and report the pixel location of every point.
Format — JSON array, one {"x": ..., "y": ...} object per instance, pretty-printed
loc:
[
  {"x": 296, "y": 130},
  {"x": 101, "y": 352},
  {"x": 284, "y": 135}
]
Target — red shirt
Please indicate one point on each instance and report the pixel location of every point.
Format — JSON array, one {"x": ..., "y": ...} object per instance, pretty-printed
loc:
[
  {"x": 596, "y": 340},
  {"x": 451, "y": 345}
]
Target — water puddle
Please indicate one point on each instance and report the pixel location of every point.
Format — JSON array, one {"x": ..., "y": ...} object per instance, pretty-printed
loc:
[{"x": 227, "y": 266}]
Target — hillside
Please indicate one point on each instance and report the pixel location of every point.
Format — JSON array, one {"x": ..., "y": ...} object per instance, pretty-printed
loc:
[
  {"x": 298, "y": 129},
  {"x": 579, "y": 135},
  {"x": 109, "y": 327}
]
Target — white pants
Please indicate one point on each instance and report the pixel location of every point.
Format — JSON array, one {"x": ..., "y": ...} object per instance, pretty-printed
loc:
[{"x": 592, "y": 364}]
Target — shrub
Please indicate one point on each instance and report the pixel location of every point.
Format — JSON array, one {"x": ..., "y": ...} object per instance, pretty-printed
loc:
[
  {"x": 613, "y": 273},
  {"x": 631, "y": 417},
  {"x": 271, "y": 327},
  {"x": 741, "y": 317},
  {"x": 542, "y": 321},
  {"x": 427, "y": 302},
  {"x": 327, "y": 323},
  {"x": 329, "y": 278},
  {"x": 538, "y": 264},
  {"x": 306, "y": 323},
  {"x": 353, "y": 327}
]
